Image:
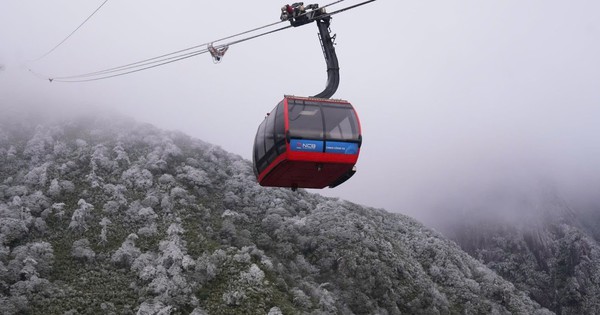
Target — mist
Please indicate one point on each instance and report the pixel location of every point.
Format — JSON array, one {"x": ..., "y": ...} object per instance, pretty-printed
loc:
[{"x": 509, "y": 165}]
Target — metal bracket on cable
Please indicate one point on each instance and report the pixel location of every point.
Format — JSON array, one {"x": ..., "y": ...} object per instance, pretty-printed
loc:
[
  {"x": 217, "y": 53},
  {"x": 298, "y": 14}
]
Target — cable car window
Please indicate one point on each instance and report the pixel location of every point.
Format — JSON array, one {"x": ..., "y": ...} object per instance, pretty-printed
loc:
[
  {"x": 270, "y": 150},
  {"x": 270, "y": 132},
  {"x": 340, "y": 123},
  {"x": 306, "y": 120},
  {"x": 280, "y": 128},
  {"x": 259, "y": 142}
]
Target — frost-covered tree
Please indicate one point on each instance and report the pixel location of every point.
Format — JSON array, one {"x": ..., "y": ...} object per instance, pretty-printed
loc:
[
  {"x": 37, "y": 176},
  {"x": 104, "y": 223},
  {"x": 167, "y": 181},
  {"x": 60, "y": 150},
  {"x": 300, "y": 298},
  {"x": 82, "y": 251},
  {"x": 193, "y": 176},
  {"x": 127, "y": 253},
  {"x": 147, "y": 217},
  {"x": 82, "y": 146},
  {"x": 122, "y": 157},
  {"x": 168, "y": 273},
  {"x": 205, "y": 268},
  {"x": 36, "y": 202},
  {"x": 54, "y": 190},
  {"x": 154, "y": 308},
  {"x": 68, "y": 168},
  {"x": 12, "y": 229},
  {"x": 275, "y": 311},
  {"x": 253, "y": 277},
  {"x": 170, "y": 150},
  {"x": 174, "y": 253},
  {"x": 29, "y": 288},
  {"x": 234, "y": 298},
  {"x": 58, "y": 209},
  {"x": 40, "y": 254},
  {"x": 67, "y": 186},
  {"x": 137, "y": 178},
  {"x": 11, "y": 153},
  {"x": 36, "y": 147},
  {"x": 228, "y": 231},
  {"x": 80, "y": 216},
  {"x": 116, "y": 195},
  {"x": 198, "y": 311},
  {"x": 100, "y": 160}
]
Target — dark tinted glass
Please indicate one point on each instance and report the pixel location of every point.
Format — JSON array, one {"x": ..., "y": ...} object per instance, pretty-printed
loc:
[
  {"x": 340, "y": 122},
  {"x": 270, "y": 132},
  {"x": 270, "y": 139},
  {"x": 280, "y": 129},
  {"x": 306, "y": 121},
  {"x": 259, "y": 142}
]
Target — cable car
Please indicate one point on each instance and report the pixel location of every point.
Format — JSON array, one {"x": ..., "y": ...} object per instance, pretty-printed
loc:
[{"x": 309, "y": 142}]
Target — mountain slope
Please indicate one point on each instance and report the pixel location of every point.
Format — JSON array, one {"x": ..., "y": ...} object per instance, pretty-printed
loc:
[
  {"x": 107, "y": 216},
  {"x": 551, "y": 252}
]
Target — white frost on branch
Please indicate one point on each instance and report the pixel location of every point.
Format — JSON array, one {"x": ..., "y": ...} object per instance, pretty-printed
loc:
[
  {"x": 104, "y": 232},
  {"x": 137, "y": 178},
  {"x": 37, "y": 176},
  {"x": 127, "y": 253},
  {"x": 81, "y": 250},
  {"x": 122, "y": 156},
  {"x": 80, "y": 216}
]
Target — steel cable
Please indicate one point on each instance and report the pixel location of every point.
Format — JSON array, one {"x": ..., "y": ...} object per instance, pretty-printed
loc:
[
  {"x": 73, "y": 32},
  {"x": 177, "y": 56}
]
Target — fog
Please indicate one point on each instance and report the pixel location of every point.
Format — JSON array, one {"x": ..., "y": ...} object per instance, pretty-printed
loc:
[{"x": 463, "y": 105}]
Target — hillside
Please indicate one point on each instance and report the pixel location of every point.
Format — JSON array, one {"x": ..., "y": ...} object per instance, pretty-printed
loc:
[
  {"x": 109, "y": 216},
  {"x": 551, "y": 252}
]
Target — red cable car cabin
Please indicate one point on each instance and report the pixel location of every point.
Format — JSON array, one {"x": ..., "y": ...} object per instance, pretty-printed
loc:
[{"x": 307, "y": 143}]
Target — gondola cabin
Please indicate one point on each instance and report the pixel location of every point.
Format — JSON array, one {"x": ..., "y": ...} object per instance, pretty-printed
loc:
[{"x": 307, "y": 143}]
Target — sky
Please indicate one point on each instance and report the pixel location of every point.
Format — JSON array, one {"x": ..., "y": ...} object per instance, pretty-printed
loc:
[{"x": 455, "y": 98}]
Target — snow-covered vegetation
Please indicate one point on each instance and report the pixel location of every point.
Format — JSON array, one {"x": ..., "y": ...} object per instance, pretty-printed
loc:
[
  {"x": 108, "y": 216},
  {"x": 551, "y": 252}
]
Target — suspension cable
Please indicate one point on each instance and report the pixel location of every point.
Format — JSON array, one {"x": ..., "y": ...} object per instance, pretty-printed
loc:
[
  {"x": 159, "y": 59},
  {"x": 166, "y": 61},
  {"x": 73, "y": 32},
  {"x": 149, "y": 60},
  {"x": 350, "y": 7},
  {"x": 180, "y": 55}
]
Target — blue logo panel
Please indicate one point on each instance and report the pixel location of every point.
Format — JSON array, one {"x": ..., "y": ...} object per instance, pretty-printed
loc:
[
  {"x": 341, "y": 147},
  {"x": 306, "y": 145}
]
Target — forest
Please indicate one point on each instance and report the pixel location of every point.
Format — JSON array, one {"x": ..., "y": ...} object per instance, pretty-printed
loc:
[{"x": 105, "y": 215}]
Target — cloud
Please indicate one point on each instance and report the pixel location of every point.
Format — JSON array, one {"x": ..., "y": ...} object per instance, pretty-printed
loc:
[{"x": 507, "y": 179}]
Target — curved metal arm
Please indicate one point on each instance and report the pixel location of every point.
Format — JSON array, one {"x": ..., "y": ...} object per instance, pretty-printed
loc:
[
  {"x": 333, "y": 68},
  {"x": 323, "y": 21}
]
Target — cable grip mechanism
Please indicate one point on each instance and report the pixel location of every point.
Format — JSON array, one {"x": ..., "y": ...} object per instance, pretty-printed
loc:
[{"x": 217, "y": 53}]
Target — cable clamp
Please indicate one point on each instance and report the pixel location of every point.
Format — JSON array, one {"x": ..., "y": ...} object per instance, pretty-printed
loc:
[{"x": 217, "y": 53}]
